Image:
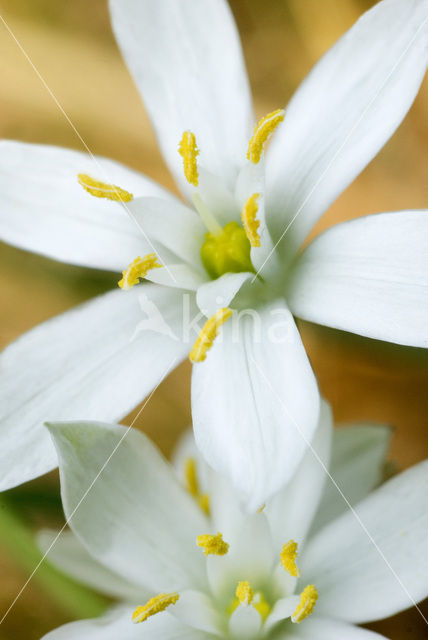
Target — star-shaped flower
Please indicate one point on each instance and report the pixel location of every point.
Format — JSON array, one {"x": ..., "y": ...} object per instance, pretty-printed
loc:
[
  {"x": 230, "y": 254},
  {"x": 187, "y": 562}
]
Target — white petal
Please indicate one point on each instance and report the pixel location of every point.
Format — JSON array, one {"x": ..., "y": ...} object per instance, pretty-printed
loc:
[
  {"x": 220, "y": 201},
  {"x": 187, "y": 62},
  {"x": 245, "y": 623},
  {"x": 250, "y": 557},
  {"x": 357, "y": 465},
  {"x": 45, "y": 210},
  {"x": 171, "y": 225},
  {"x": 343, "y": 114},
  {"x": 219, "y": 293},
  {"x": 226, "y": 514},
  {"x": 283, "y": 609},
  {"x": 179, "y": 276},
  {"x": 368, "y": 276},
  {"x": 255, "y": 402},
  {"x": 197, "y": 610},
  {"x": 124, "y": 503},
  {"x": 118, "y": 625},
  {"x": 265, "y": 259},
  {"x": 359, "y": 581},
  {"x": 67, "y": 553},
  {"x": 317, "y": 628},
  {"x": 96, "y": 362},
  {"x": 291, "y": 510}
]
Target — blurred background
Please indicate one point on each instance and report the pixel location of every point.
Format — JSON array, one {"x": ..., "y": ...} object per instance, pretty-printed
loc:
[{"x": 72, "y": 46}]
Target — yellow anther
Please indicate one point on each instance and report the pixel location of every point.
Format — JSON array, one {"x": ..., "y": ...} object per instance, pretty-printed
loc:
[
  {"x": 203, "y": 501},
  {"x": 308, "y": 599},
  {"x": 244, "y": 593},
  {"x": 262, "y": 131},
  {"x": 214, "y": 545},
  {"x": 103, "y": 190},
  {"x": 289, "y": 557},
  {"x": 208, "y": 334},
  {"x": 249, "y": 220},
  {"x": 192, "y": 485},
  {"x": 261, "y": 605},
  {"x": 154, "y": 605},
  {"x": 188, "y": 150},
  {"x": 138, "y": 269}
]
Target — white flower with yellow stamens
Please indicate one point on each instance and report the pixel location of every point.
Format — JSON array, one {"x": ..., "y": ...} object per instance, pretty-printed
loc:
[
  {"x": 304, "y": 567},
  {"x": 234, "y": 245}
]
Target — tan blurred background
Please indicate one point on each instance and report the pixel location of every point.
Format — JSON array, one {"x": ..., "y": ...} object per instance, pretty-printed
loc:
[{"x": 72, "y": 46}]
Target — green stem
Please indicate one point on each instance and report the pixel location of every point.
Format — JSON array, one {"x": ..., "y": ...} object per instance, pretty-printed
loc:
[{"x": 74, "y": 599}]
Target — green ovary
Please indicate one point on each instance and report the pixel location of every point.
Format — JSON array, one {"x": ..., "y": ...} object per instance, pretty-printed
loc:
[{"x": 227, "y": 252}]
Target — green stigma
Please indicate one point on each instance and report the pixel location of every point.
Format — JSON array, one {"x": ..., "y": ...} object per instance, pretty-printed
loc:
[{"x": 227, "y": 252}]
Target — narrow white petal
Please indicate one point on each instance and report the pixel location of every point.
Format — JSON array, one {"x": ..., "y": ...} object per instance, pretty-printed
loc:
[
  {"x": 44, "y": 209},
  {"x": 377, "y": 565},
  {"x": 245, "y": 622},
  {"x": 219, "y": 293},
  {"x": 198, "y": 611},
  {"x": 291, "y": 510},
  {"x": 171, "y": 225},
  {"x": 317, "y": 628},
  {"x": 343, "y": 114},
  {"x": 283, "y": 609},
  {"x": 251, "y": 180},
  {"x": 220, "y": 201},
  {"x": 179, "y": 276},
  {"x": 226, "y": 514},
  {"x": 187, "y": 62},
  {"x": 357, "y": 466},
  {"x": 96, "y": 362},
  {"x": 67, "y": 553},
  {"x": 255, "y": 402},
  {"x": 117, "y": 622},
  {"x": 117, "y": 625},
  {"x": 250, "y": 557},
  {"x": 124, "y": 503},
  {"x": 368, "y": 276}
]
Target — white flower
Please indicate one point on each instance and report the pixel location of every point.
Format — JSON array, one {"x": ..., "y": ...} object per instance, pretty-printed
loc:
[
  {"x": 191, "y": 564},
  {"x": 367, "y": 275}
]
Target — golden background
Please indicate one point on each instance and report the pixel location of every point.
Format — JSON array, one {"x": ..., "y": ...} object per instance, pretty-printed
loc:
[{"x": 71, "y": 44}]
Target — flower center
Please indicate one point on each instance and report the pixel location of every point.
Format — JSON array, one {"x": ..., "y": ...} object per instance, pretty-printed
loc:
[{"x": 227, "y": 251}]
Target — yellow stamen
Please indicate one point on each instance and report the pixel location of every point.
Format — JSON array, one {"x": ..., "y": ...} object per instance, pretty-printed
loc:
[
  {"x": 191, "y": 477},
  {"x": 308, "y": 599},
  {"x": 154, "y": 605},
  {"x": 203, "y": 501},
  {"x": 192, "y": 485},
  {"x": 249, "y": 221},
  {"x": 289, "y": 557},
  {"x": 188, "y": 150},
  {"x": 103, "y": 190},
  {"x": 244, "y": 593},
  {"x": 262, "y": 131},
  {"x": 261, "y": 605},
  {"x": 208, "y": 334},
  {"x": 213, "y": 544},
  {"x": 138, "y": 269}
]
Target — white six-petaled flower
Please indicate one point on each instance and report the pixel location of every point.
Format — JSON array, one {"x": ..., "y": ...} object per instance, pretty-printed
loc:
[
  {"x": 234, "y": 246},
  {"x": 187, "y": 562}
]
